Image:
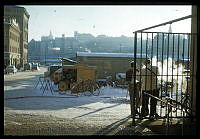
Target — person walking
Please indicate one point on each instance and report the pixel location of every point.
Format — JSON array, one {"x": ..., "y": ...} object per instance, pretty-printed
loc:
[
  {"x": 134, "y": 94},
  {"x": 149, "y": 86}
]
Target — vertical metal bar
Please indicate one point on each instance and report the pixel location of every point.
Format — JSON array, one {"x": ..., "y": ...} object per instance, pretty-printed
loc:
[
  {"x": 167, "y": 60},
  {"x": 157, "y": 62},
  {"x": 134, "y": 73},
  {"x": 165, "y": 47},
  {"x": 172, "y": 65},
  {"x": 183, "y": 124},
  {"x": 146, "y": 59},
  {"x": 188, "y": 64},
  {"x": 151, "y": 61},
  {"x": 140, "y": 68},
  {"x": 182, "y": 71},
  {"x": 194, "y": 40},
  {"x": 167, "y": 67},
  {"x": 177, "y": 70},
  {"x": 167, "y": 117},
  {"x": 193, "y": 74},
  {"x": 146, "y": 69},
  {"x": 162, "y": 71}
]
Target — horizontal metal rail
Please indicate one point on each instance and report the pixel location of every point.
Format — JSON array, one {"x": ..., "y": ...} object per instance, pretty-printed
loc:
[
  {"x": 166, "y": 102},
  {"x": 183, "y": 106},
  {"x": 162, "y": 24},
  {"x": 149, "y": 32}
]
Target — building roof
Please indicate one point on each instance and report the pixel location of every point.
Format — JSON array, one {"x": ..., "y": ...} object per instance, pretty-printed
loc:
[
  {"x": 51, "y": 60},
  {"x": 13, "y": 6},
  {"x": 67, "y": 59},
  {"x": 125, "y": 55}
]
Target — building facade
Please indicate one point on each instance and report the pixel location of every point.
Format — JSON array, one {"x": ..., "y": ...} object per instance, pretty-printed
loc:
[
  {"x": 34, "y": 51},
  {"x": 11, "y": 42},
  {"x": 22, "y": 18}
]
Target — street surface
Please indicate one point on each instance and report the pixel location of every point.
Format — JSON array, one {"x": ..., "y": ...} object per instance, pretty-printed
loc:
[
  {"x": 29, "y": 111},
  {"x": 39, "y": 115}
]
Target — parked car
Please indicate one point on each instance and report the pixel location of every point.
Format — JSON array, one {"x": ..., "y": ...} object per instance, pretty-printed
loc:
[
  {"x": 35, "y": 66},
  {"x": 27, "y": 66},
  {"x": 11, "y": 69}
]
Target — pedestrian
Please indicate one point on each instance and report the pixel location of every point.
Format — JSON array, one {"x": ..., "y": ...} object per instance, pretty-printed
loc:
[
  {"x": 150, "y": 86},
  {"x": 134, "y": 94}
]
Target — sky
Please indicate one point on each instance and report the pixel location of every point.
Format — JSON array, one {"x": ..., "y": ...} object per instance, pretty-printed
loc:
[{"x": 110, "y": 20}]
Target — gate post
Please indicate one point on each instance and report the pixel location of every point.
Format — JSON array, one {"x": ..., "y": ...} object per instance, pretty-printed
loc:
[
  {"x": 193, "y": 58},
  {"x": 134, "y": 77}
]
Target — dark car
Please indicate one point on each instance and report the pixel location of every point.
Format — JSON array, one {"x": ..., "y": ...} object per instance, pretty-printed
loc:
[{"x": 11, "y": 69}]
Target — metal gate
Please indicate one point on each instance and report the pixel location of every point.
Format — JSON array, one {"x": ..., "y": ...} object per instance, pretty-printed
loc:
[{"x": 170, "y": 53}]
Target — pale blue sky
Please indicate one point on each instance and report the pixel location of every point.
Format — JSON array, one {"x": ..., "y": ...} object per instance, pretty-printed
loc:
[{"x": 111, "y": 20}]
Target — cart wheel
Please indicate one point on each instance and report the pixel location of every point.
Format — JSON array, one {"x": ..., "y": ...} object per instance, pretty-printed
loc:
[
  {"x": 62, "y": 86},
  {"x": 87, "y": 93},
  {"x": 74, "y": 88},
  {"x": 56, "y": 79}
]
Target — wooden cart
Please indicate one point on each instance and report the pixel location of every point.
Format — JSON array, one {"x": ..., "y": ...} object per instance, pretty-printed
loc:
[{"x": 77, "y": 78}]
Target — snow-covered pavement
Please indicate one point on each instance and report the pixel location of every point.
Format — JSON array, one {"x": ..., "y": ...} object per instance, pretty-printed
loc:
[{"x": 110, "y": 106}]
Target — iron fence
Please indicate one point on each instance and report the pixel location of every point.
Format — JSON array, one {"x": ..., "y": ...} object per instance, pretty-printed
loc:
[{"x": 170, "y": 53}]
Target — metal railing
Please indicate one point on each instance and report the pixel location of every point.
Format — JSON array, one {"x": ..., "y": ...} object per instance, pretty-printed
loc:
[{"x": 170, "y": 53}]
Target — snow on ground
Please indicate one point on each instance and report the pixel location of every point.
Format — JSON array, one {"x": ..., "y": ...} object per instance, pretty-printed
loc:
[{"x": 111, "y": 105}]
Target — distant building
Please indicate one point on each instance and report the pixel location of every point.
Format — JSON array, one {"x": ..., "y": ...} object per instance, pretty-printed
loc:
[
  {"x": 47, "y": 38},
  {"x": 22, "y": 18},
  {"x": 177, "y": 48},
  {"x": 11, "y": 42},
  {"x": 83, "y": 37},
  {"x": 34, "y": 51},
  {"x": 108, "y": 64},
  {"x": 50, "y": 48},
  {"x": 64, "y": 46}
]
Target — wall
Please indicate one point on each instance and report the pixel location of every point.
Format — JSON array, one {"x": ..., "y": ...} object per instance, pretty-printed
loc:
[{"x": 106, "y": 66}]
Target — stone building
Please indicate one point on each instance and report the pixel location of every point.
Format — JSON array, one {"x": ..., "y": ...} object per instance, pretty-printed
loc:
[
  {"x": 34, "y": 51},
  {"x": 11, "y": 42},
  {"x": 22, "y": 18}
]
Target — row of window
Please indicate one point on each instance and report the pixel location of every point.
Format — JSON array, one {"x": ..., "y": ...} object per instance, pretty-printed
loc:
[
  {"x": 14, "y": 49},
  {"x": 11, "y": 49},
  {"x": 14, "y": 37}
]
